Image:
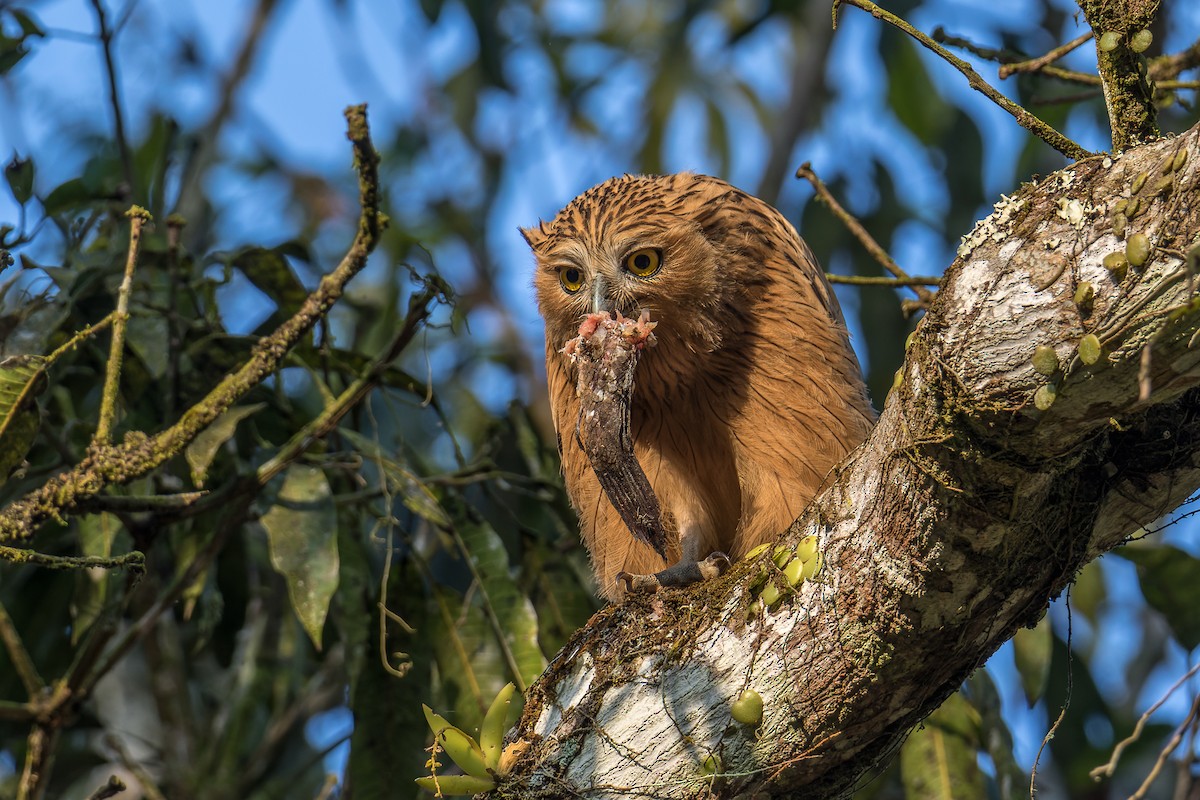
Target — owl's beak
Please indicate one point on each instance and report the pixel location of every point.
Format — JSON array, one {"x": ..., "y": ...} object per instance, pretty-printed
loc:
[{"x": 600, "y": 300}]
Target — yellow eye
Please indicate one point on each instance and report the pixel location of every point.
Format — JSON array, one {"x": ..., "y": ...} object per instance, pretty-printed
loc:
[
  {"x": 644, "y": 262},
  {"x": 571, "y": 279}
]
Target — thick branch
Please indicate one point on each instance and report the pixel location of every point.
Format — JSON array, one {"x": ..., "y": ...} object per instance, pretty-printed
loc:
[
  {"x": 1127, "y": 93},
  {"x": 958, "y": 520}
]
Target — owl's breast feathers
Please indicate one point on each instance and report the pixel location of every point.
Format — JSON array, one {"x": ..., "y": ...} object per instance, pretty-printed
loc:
[{"x": 753, "y": 393}]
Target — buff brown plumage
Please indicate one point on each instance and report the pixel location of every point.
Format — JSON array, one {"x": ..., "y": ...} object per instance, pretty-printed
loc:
[{"x": 752, "y": 394}]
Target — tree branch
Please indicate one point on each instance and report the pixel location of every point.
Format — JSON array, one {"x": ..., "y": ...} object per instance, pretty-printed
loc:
[
  {"x": 1026, "y": 120},
  {"x": 138, "y": 454},
  {"x": 1127, "y": 94},
  {"x": 963, "y": 514}
]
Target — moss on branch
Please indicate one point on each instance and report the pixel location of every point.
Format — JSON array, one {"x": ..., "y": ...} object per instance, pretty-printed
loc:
[{"x": 106, "y": 464}]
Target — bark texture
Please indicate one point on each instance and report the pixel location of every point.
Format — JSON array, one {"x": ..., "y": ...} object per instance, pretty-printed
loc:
[{"x": 964, "y": 513}]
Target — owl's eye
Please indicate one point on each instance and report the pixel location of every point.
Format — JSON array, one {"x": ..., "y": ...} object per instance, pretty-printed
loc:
[
  {"x": 571, "y": 279},
  {"x": 644, "y": 262}
]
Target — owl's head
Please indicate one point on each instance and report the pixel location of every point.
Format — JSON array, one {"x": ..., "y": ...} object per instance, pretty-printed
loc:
[{"x": 679, "y": 246}]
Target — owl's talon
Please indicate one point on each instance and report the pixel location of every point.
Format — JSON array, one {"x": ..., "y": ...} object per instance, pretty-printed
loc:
[
  {"x": 639, "y": 584},
  {"x": 684, "y": 573}
]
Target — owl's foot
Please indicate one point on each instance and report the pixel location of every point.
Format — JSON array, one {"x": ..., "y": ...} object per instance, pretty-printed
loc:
[{"x": 684, "y": 573}]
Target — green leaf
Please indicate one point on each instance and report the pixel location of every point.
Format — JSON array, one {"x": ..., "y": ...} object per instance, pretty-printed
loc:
[
  {"x": 1031, "y": 650},
  {"x": 939, "y": 760},
  {"x": 11, "y": 52},
  {"x": 29, "y": 24},
  {"x": 22, "y": 378},
  {"x": 147, "y": 338},
  {"x": 96, "y": 535},
  {"x": 68, "y": 196},
  {"x": 271, "y": 274},
  {"x": 203, "y": 448},
  {"x": 1012, "y": 782},
  {"x": 19, "y": 174},
  {"x": 1170, "y": 580},
  {"x": 516, "y": 625},
  {"x": 302, "y": 535}
]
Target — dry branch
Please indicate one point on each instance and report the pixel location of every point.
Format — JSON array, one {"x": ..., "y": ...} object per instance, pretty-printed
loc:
[{"x": 964, "y": 513}]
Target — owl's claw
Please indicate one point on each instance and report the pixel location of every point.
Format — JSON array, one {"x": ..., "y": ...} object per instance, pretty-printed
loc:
[{"x": 684, "y": 573}]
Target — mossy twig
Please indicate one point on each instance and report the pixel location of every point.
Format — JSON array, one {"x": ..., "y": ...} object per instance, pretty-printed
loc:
[
  {"x": 880, "y": 280},
  {"x": 1043, "y": 61},
  {"x": 134, "y": 560},
  {"x": 105, "y": 464},
  {"x": 138, "y": 217}
]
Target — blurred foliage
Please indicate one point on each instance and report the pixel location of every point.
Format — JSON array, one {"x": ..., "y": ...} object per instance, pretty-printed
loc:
[{"x": 215, "y": 674}]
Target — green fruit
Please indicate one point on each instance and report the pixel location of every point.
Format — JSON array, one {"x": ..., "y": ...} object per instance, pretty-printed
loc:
[
  {"x": 1119, "y": 223},
  {"x": 770, "y": 594},
  {"x": 1137, "y": 249},
  {"x": 1117, "y": 264},
  {"x": 1084, "y": 294},
  {"x": 792, "y": 570},
  {"x": 1045, "y": 396},
  {"x": 783, "y": 554},
  {"x": 711, "y": 765},
  {"x": 1045, "y": 360},
  {"x": 807, "y": 548},
  {"x": 748, "y": 708},
  {"x": 1089, "y": 349},
  {"x": 451, "y": 785},
  {"x": 812, "y": 567}
]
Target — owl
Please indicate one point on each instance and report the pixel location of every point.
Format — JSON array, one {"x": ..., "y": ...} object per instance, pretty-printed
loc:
[{"x": 750, "y": 397}]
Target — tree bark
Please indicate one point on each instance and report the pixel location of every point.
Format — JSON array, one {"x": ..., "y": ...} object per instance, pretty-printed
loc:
[{"x": 965, "y": 512}]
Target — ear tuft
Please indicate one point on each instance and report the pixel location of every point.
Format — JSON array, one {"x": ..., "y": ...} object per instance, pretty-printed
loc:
[{"x": 534, "y": 236}]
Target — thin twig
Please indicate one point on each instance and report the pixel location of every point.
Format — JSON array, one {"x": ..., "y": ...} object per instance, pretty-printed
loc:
[
  {"x": 1007, "y": 58},
  {"x": 19, "y": 656},
  {"x": 112, "y": 375},
  {"x": 1107, "y": 769},
  {"x": 1062, "y": 713},
  {"x": 859, "y": 232},
  {"x": 140, "y": 503},
  {"x": 1025, "y": 119},
  {"x": 112, "y": 788},
  {"x": 75, "y": 340},
  {"x": 1036, "y": 64},
  {"x": 114, "y": 94},
  {"x": 133, "y": 560},
  {"x": 39, "y": 758},
  {"x": 148, "y": 787},
  {"x": 1165, "y": 753},
  {"x": 880, "y": 280},
  {"x": 1169, "y": 66}
]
